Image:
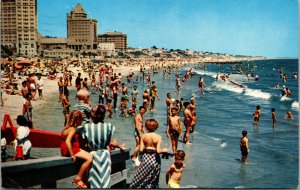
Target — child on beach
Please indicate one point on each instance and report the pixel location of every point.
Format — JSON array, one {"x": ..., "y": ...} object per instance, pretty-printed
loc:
[
  {"x": 109, "y": 108},
  {"x": 273, "y": 117},
  {"x": 123, "y": 108},
  {"x": 22, "y": 138},
  {"x": 70, "y": 146},
  {"x": 3, "y": 146},
  {"x": 289, "y": 115},
  {"x": 244, "y": 147},
  {"x": 66, "y": 105},
  {"x": 174, "y": 129},
  {"x": 132, "y": 110},
  {"x": 40, "y": 84},
  {"x": 174, "y": 173},
  {"x": 27, "y": 110},
  {"x": 84, "y": 105},
  {"x": 256, "y": 115}
]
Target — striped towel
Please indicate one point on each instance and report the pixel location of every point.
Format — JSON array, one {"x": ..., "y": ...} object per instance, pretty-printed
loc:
[
  {"x": 147, "y": 175},
  {"x": 99, "y": 176},
  {"x": 98, "y": 137}
]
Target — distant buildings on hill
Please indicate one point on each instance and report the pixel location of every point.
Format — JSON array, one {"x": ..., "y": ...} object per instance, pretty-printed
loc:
[{"x": 19, "y": 31}]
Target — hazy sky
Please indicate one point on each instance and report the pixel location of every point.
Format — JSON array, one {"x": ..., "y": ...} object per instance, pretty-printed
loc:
[{"x": 241, "y": 27}]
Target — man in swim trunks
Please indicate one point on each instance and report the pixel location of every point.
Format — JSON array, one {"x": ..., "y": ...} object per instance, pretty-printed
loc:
[
  {"x": 138, "y": 131},
  {"x": 244, "y": 147},
  {"x": 174, "y": 129},
  {"x": 78, "y": 82},
  {"x": 188, "y": 122}
]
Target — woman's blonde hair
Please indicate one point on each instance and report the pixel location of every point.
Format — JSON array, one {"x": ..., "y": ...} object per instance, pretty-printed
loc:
[{"x": 75, "y": 117}]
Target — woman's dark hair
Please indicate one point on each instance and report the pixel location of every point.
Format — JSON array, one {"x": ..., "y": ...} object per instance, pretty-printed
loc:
[
  {"x": 185, "y": 104},
  {"x": 98, "y": 113},
  {"x": 151, "y": 125}
]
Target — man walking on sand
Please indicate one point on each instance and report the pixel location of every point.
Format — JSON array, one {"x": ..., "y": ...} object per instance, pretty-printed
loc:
[{"x": 138, "y": 131}]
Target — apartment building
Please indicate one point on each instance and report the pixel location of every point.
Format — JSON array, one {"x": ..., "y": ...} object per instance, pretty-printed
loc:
[
  {"x": 118, "y": 38},
  {"x": 19, "y": 25}
]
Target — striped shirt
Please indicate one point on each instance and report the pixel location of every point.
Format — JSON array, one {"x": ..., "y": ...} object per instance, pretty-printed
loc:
[
  {"x": 98, "y": 135},
  {"x": 85, "y": 109}
]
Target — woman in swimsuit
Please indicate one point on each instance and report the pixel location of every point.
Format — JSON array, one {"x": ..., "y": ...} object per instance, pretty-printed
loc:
[
  {"x": 70, "y": 146},
  {"x": 147, "y": 175}
]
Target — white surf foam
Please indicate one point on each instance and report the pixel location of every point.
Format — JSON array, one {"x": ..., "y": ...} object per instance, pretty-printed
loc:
[
  {"x": 240, "y": 187},
  {"x": 295, "y": 105},
  {"x": 285, "y": 98},
  {"x": 227, "y": 86},
  {"x": 202, "y": 72},
  {"x": 223, "y": 145},
  {"x": 257, "y": 93}
]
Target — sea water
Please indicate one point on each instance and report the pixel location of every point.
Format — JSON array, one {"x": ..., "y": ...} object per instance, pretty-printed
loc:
[{"x": 223, "y": 112}]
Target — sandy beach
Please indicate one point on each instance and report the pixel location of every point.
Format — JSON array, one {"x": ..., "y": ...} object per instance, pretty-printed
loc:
[{"x": 13, "y": 103}]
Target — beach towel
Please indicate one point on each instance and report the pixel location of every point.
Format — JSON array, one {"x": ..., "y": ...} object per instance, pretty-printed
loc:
[
  {"x": 147, "y": 175},
  {"x": 98, "y": 137}
]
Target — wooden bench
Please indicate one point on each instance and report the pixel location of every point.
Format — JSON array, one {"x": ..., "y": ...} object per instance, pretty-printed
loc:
[{"x": 46, "y": 171}]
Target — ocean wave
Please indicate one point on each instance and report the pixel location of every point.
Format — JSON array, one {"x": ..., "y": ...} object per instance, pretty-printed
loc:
[
  {"x": 295, "y": 105},
  {"x": 257, "y": 93},
  {"x": 240, "y": 187},
  {"x": 207, "y": 73},
  {"x": 227, "y": 86}
]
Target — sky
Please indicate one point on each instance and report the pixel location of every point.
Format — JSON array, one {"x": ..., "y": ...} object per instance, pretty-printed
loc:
[{"x": 239, "y": 27}]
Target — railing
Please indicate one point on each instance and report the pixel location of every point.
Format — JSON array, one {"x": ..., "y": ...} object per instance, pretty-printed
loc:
[{"x": 46, "y": 171}]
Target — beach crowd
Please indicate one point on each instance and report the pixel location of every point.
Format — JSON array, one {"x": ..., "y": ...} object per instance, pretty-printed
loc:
[{"x": 85, "y": 120}]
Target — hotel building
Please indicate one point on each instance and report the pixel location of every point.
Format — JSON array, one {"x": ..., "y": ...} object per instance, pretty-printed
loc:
[{"x": 81, "y": 31}]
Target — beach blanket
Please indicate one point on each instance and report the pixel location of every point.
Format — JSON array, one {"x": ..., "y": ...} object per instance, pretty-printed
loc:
[
  {"x": 98, "y": 137},
  {"x": 147, "y": 175}
]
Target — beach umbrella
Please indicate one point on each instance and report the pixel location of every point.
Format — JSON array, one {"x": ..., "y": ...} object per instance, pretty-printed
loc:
[
  {"x": 20, "y": 58},
  {"x": 22, "y": 63}
]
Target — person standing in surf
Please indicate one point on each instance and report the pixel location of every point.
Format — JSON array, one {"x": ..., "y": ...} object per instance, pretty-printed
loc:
[
  {"x": 273, "y": 117},
  {"x": 178, "y": 87},
  {"x": 244, "y": 147},
  {"x": 188, "y": 122},
  {"x": 201, "y": 85},
  {"x": 138, "y": 131},
  {"x": 256, "y": 115},
  {"x": 174, "y": 129},
  {"x": 193, "y": 111}
]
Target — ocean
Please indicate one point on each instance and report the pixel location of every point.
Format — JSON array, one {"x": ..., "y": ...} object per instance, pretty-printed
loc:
[{"x": 223, "y": 112}]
